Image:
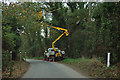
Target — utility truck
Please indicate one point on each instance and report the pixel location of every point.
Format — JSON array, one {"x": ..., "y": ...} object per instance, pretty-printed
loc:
[
  {"x": 54, "y": 53},
  {"x": 50, "y": 54}
]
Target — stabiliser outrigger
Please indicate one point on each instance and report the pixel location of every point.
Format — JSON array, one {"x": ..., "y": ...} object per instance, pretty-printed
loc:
[{"x": 56, "y": 54}]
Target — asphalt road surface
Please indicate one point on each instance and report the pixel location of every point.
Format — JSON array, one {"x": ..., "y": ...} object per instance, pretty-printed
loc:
[{"x": 44, "y": 69}]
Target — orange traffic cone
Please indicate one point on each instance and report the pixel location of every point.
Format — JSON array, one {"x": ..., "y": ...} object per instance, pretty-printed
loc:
[{"x": 53, "y": 60}]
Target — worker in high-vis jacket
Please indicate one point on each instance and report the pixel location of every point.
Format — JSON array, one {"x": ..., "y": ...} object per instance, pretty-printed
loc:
[{"x": 44, "y": 55}]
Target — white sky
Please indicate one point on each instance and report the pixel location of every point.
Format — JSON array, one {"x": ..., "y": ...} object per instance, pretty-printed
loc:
[{"x": 8, "y": 1}]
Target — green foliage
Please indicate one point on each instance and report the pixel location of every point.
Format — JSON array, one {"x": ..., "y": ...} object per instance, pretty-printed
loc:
[
  {"x": 94, "y": 67},
  {"x": 90, "y": 35},
  {"x": 8, "y": 38},
  {"x": 93, "y": 30},
  {"x": 77, "y": 60},
  {"x": 5, "y": 59},
  {"x": 35, "y": 57}
]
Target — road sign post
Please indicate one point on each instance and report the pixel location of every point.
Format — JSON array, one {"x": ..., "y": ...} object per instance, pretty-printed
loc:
[{"x": 108, "y": 59}]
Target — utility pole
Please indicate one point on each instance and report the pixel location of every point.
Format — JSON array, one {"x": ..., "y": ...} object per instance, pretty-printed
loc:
[
  {"x": 25, "y": 56},
  {"x": 90, "y": 13}
]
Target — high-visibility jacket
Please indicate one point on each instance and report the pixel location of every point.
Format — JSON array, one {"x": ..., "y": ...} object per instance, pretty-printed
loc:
[{"x": 44, "y": 53}]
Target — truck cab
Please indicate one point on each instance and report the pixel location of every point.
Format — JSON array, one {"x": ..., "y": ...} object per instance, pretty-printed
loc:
[{"x": 50, "y": 54}]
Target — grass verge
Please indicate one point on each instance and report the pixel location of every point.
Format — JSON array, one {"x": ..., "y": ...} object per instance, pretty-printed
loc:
[
  {"x": 94, "y": 67},
  {"x": 39, "y": 58},
  {"x": 17, "y": 70}
]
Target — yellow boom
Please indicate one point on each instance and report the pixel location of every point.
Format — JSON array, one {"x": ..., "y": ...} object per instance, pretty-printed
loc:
[
  {"x": 39, "y": 16},
  {"x": 58, "y": 28}
]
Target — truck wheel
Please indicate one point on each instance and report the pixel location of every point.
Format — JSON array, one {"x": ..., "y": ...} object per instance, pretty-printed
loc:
[
  {"x": 45, "y": 58},
  {"x": 55, "y": 58},
  {"x": 61, "y": 58},
  {"x": 58, "y": 58},
  {"x": 50, "y": 58}
]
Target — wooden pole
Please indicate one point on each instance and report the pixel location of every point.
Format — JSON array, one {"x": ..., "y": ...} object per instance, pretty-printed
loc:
[
  {"x": 20, "y": 61},
  {"x": 10, "y": 64},
  {"x": 25, "y": 56}
]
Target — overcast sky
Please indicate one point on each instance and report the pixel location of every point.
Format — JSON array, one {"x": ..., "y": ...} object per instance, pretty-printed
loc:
[
  {"x": 55, "y": 0},
  {"x": 63, "y": 0}
]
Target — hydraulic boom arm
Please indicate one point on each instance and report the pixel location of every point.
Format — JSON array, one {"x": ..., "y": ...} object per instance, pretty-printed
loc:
[{"x": 65, "y": 32}]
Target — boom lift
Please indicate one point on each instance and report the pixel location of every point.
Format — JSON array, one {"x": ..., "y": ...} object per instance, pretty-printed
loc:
[
  {"x": 56, "y": 54},
  {"x": 53, "y": 52},
  {"x": 65, "y": 32}
]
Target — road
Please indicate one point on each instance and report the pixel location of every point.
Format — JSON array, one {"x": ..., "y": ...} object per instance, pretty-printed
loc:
[{"x": 44, "y": 69}]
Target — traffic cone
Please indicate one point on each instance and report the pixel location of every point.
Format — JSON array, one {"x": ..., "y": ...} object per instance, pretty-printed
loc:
[{"x": 53, "y": 60}]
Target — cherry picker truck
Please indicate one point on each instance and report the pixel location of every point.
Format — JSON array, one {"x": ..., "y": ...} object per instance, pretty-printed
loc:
[{"x": 54, "y": 53}]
